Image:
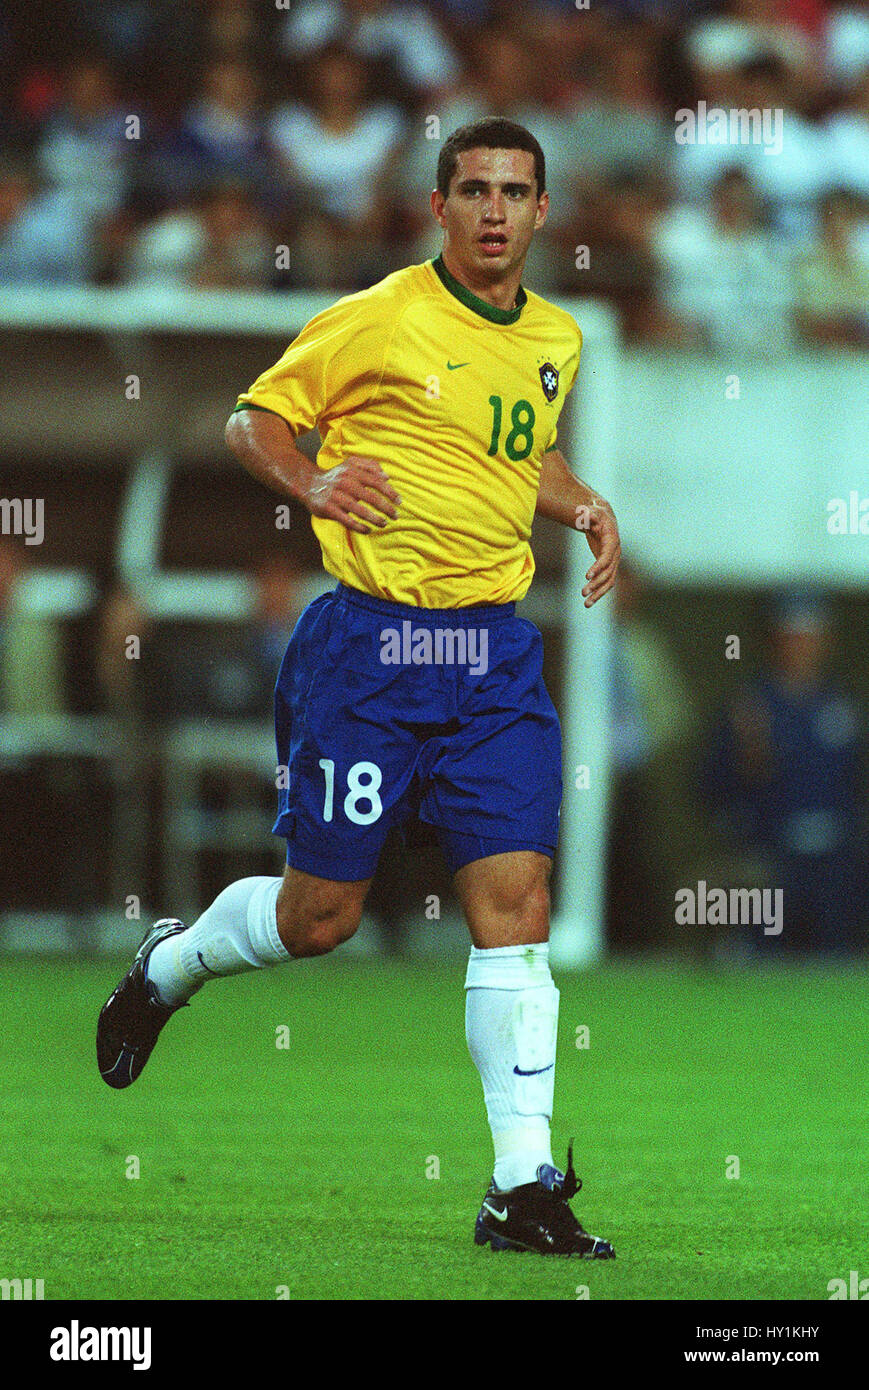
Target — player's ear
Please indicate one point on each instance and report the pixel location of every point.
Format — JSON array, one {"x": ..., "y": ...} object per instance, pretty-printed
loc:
[
  {"x": 437, "y": 205},
  {"x": 542, "y": 210}
]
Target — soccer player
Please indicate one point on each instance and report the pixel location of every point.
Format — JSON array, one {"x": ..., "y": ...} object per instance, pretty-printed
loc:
[{"x": 412, "y": 689}]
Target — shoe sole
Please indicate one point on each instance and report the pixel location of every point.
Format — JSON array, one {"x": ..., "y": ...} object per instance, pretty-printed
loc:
[{"x": 483, "y": 1236}]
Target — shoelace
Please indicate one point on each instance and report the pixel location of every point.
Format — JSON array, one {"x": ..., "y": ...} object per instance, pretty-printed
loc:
[
  {"x": 572, "y": 1183},
  {"x": 560, "y": 1212}
]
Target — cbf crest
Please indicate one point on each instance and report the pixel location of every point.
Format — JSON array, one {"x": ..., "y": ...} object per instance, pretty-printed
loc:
[{"x": 549, "y": 380}]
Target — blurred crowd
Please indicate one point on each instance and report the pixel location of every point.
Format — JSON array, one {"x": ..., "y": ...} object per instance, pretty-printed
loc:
[
  {"x": 764, "y": 786},
  {"x": 239, "y": 143},
  {"x": 266, "y": 145}
]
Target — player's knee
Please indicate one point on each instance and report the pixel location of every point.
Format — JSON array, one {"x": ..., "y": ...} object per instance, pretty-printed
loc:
[
  {"x": 318, "y": 928},
  {"x": 526, "y": 895},
  {"x": 532, "y": 904},
  {"x": 321, "y": 936},
  {"x": 515, "y": 910}
]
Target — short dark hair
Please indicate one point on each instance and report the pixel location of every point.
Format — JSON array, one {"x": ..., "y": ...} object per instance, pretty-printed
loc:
[{"x": 496, "y": 133}]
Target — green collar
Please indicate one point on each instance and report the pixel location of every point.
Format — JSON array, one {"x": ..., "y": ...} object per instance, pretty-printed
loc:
[{"x": 472, "y": 301}]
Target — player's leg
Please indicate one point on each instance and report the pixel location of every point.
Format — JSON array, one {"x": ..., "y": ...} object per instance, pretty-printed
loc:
[
  {"x": 253, "y": 923},
  {"x": 493, "y": 791},
  {"x": 511, "y": 1026},
  {"x": 314, "y": 915},
  {"x": 511, "y": 1010},
  {"x": 505, "y": 899},
  {"x": 334, "y": 810}
]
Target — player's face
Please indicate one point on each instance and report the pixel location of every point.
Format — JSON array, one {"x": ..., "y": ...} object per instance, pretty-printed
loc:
[{"x": 491, "y": 212}]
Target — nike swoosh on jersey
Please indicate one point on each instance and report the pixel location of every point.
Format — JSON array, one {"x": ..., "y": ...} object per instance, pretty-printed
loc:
[{"x": 454, "y": 366}]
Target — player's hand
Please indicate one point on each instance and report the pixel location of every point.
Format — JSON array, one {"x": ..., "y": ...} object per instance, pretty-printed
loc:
[
  {"x": 602, "y": 533},
  {"x": 356, "y": 493}
]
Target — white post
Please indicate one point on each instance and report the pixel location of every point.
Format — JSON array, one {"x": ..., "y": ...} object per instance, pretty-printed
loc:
[{"x": 577, "y": 938}]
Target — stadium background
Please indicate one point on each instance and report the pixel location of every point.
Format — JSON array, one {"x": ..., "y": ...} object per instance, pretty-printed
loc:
[
  {"x": 149, "y": 268},
  {"x": 291, "y": 150}
]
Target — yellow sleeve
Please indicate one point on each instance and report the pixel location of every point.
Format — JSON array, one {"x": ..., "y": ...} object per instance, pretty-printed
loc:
[
  {"x": 334, "y": 366},
  {"x": 551, "y": 441}
]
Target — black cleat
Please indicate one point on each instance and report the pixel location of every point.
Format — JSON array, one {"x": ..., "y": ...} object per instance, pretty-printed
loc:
[
  {"x": 537, "y": 1217},
  {"x": 131, "y": 1020}
]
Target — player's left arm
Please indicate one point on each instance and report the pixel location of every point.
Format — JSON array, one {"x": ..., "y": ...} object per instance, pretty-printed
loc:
[{"x": 562, "y": 497}]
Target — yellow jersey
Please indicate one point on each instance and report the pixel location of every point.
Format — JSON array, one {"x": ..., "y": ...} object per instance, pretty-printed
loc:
[{"x": 457, "y": 401}]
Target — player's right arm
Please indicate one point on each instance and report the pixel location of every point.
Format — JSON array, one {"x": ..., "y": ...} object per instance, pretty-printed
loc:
[{"x": 356, "y": 492}]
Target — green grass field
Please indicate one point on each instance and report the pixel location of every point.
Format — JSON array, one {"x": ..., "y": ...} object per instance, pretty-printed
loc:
[{"x": 306, "y": 1167}]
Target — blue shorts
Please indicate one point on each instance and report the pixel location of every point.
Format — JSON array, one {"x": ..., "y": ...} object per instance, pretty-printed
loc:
[{"x": 385, "y": 711}]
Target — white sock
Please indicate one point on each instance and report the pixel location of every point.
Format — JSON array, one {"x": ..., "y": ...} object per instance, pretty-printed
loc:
[
  {"x": 511, "y": 1021},
  {"x": 238, "y": 932}
]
